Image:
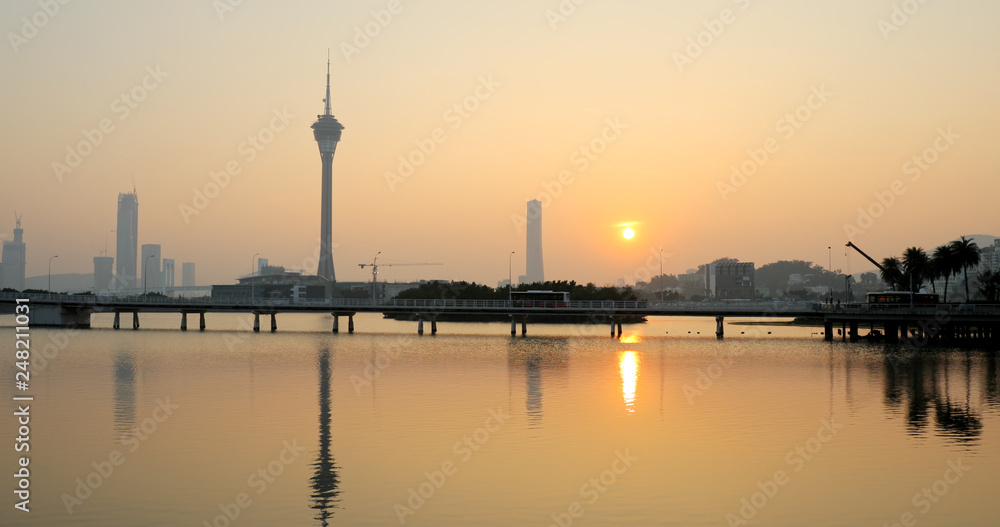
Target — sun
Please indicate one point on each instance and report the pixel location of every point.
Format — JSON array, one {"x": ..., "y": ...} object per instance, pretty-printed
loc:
[{"x": 628, "y": 233}]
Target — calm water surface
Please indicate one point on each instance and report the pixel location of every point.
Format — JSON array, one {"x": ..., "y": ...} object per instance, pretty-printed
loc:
[{"x": 471, "y": 427}]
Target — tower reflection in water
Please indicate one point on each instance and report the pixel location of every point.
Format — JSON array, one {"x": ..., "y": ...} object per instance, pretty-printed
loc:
[
  {"x": 124, "y": 371},
  {"x": 536, "y": 356},
  {"x": 325, "y": 481}
]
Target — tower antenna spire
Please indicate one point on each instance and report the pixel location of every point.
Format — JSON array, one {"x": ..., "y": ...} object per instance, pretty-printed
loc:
[
  {"x": 327, "y": 100},
  {"x": 17, "y": 219}
]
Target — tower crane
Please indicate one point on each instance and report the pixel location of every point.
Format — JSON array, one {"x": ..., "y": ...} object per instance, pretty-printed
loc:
[
  {"x": 375, "y": 265},
  {"x": 870, "y": 259}
]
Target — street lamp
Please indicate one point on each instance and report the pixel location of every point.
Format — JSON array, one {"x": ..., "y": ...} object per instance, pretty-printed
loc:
[
  {"x": 829, "y": 267},
  {"x": 50, "y": 272},
  {"x": 145, "y": 273},
  {"x": 510, "y": 278},
  {"x": 252, "y": 266}
]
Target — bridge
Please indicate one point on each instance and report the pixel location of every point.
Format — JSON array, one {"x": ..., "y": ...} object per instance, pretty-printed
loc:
[{"x": 962, "y": 322}]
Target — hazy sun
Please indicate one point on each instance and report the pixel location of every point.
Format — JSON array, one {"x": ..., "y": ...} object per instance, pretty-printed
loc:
[{"x": 628, "y": 234}]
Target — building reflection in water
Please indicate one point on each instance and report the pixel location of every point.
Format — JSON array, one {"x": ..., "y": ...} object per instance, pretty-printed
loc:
[
  {"x": 536, "y": 356},
  {"x": 921, "y": 383},
  {"x": 124, "y": 420},
  {"x": 325, "y": 482}
]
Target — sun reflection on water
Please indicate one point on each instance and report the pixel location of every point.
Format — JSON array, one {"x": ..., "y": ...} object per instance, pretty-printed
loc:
[{"x": 628, "y": 365}]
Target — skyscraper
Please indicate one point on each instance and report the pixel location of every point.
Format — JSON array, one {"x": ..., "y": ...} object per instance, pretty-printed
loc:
[
  {"x": 12, "y": 265},
  {"x": 187, "y": 274},
  {"x": 169, "y": 275},
  {"x": 327, "y": 132},
  {"x": 103, "y": 277},
  {"x": 534, "y": 270},
  {"x": 151, "y": 276},
  {"x": 127, "y": 246}
]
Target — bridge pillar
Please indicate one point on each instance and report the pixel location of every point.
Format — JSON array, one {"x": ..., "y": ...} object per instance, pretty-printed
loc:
[
  {"x": 513, "y": 326},
  {"x": 350, "y": 323},
  {"x": 184, "y": 321},
  {"x": 201, "y": 321},
  {"x": 434, "y": 326},
  {"x": 117, "y": 323},
  {"x": 891, "y": 332},
  {"x": 612, "y": 327},
  {"x": 828, "y": 330},
  {"x": 843, "y": 331},
  {"x": 420, "y": 326},
  {"x": 524, "y": 326},
  {"x": 135, "y": 320},
  {"x": 256, "y": 322},
  {"x": 619, "y": 324},
  {"x": 720, "y": 324},
  {"x": 854, "y": 331},
  {"x": 274, "y": 322},
  {"x": 336, "y": 324}
]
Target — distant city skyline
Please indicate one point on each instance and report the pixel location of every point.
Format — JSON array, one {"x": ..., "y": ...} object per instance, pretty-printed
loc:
[{"x": 712, "y": 138}]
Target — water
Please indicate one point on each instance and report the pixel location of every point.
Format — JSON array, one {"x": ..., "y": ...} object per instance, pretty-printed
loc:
[{"x": 471, "y": 427}]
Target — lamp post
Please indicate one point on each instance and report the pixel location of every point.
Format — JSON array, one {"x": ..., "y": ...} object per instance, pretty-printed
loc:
[
  {"x": 145, "y": 273},
  {"x": 510, "y": 278},
  {"x": 50, "y": 273},
  {"x": 661, "y": 275},
  {"x": 829, "y": 266},
  {"x": 252, "y": 266},
  {"x": 375, "y": 278}
]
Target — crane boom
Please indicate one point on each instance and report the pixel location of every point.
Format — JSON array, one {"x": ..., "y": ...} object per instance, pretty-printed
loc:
[
  {"x": 375, "y": 265},
  {"x": 870, "y": 259}
]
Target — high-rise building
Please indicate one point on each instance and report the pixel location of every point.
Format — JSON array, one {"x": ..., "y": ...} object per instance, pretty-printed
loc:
[
  {"x": 326, "y": 131},
  {"x": 104, "y": 278},
  {"x": 12, "y": 263},
  {"x": 168, "y": 275},
  {"x": 187, "y": 274},
  {"x": 127, "y": 245},
  {"x": 534, "y": 270},
  {"x": 151, "y": 255}
]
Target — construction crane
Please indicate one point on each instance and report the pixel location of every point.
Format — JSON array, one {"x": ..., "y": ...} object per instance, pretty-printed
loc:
[
  {"x": 870, "y": 259},
  {"x": 375, "y": 265}
]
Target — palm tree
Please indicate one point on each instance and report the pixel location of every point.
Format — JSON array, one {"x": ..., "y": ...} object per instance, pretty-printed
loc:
[
  {"x": 892, "y": 272},
  {"x": 916, "y": 265},
  {"x": 967, "y": 255},
  {"x": 943, "y": 263},
  {"x": 989, "y": 285}
]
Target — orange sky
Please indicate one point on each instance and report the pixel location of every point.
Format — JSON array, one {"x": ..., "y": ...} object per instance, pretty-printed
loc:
[{"x": 842, "y": 94}]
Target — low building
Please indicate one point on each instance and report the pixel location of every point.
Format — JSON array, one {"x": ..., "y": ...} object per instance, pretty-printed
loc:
[{"x": 729, "y": 280}]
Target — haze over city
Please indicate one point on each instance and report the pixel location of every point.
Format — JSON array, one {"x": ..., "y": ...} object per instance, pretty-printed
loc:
[{"x": 612, "y": 115}]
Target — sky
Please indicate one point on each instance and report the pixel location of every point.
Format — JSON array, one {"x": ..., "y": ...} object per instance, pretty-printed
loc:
[{"x": 758, "y": 130}]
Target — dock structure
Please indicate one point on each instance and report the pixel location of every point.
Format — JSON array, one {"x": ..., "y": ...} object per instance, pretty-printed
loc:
[{"x": 893, "y": 324}]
